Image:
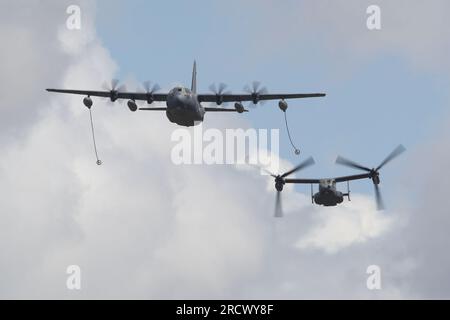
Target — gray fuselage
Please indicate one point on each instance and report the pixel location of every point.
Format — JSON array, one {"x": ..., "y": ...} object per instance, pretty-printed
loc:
[
  {"x": 183, "y": 107},
  {"x": 328, "y": 196}
]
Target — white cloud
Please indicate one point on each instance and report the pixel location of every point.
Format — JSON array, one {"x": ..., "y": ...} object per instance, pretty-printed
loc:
[
  {"x": 140, "y": 227},
  {"x": 345, "y": 225}
]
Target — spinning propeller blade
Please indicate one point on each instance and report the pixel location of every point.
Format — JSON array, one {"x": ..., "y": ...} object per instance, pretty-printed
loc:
[
  {"x": 219, "y": 92},
  {"x": 308, "y": 162},
  {"x": 278, "y": 206},
  {"x": 394, "y": 154},
  {"x": 114, "y": 88},
  {"x": 378, "y": 198},
  {"x": 348, "y": 163},
  {"x": 255, "y": 90},
  {"x": 374, "y": 173},
  {"x": 149, "y": 88},
  {"x": 279, "y": 182}
]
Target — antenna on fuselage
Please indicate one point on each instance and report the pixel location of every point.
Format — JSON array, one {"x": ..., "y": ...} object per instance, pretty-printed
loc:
[{"x": 194, "y": 78}]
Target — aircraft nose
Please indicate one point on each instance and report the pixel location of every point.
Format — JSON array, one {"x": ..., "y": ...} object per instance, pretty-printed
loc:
[{"x": 178, "y": 99}]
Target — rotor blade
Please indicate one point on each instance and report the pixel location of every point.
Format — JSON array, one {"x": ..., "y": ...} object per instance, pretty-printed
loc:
[
  {"x": 378, "y": 198},
  {"x": 106, "y": 86},
  {"x": 222, "y": 87},
  {"x": 114, "y": 84},
  {"x": 149, "y": 89},
  {"x": 147, "y": 86},
  {"x": 255, "y": 85},
  {"x": 263, "y": 90},
  {"x": 345, "y": 162},
  {"x": 112, "y": 87},
  {"x": 155, "y": 88},
  {"x": 122, "y": 88},
  {"x": 398, "y": 151},
  {"x": 263, "y": 169},
  {"x": 278, "y": 206},
  {"x": 213, "y": 88},
  {"x": 259, "y": 167},
  {"x": 308, "y": 162}
]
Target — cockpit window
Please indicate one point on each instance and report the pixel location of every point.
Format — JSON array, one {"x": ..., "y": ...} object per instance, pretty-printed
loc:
[
  {"x": 181, "y": 90},
  {"x": 328, "y": 182}
]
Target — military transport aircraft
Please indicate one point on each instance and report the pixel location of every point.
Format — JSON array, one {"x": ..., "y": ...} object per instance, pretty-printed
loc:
[
  {"x": 328, "y": 195},
  {"x": 183, "y": 105}
]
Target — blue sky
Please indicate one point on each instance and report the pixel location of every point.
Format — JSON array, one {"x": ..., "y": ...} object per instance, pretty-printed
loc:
[{"x": 374, "y": 102}]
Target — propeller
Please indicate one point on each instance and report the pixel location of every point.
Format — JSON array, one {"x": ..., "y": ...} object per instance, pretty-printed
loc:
[
  {"x": 348, "y": 163},
  {"x": 114, "y": 88},
  {"x": 307, "y": 163},
  {"x": 219, "y": 91},
  {"x": 394, "y": 154},
  {"x": 278, "y": 206},
  {"x": 374, "y": 173},
  {"x": 378, "y": 198},
  {"x": 150, "y": 90},
  {"x": 280, "y": 182},
  {"x": 255, "y": 91}
]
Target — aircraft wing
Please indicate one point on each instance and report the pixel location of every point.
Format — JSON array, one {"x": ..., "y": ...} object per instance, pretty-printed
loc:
[
  {"x": 354, "y": 177},
  {"x": 339, "y": 179},
  {"x": 115, "y": 95},
  {"x": 201, "y": 97},
  {"x": 260, "y": 97},
  {"x": 303, "y": 181}
]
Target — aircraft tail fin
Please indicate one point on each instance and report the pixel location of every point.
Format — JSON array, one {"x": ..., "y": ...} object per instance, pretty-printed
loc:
[{"x": 194, "y": 78}]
